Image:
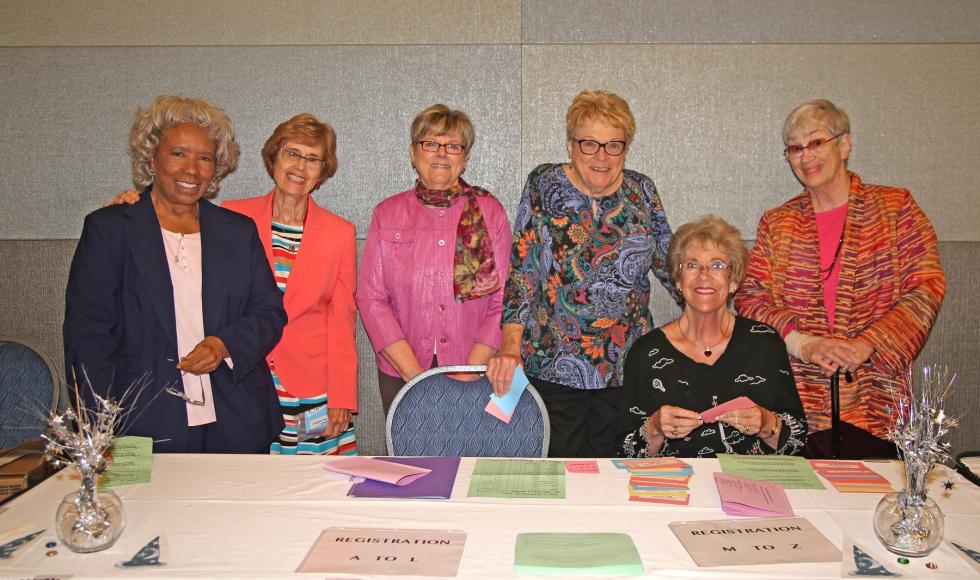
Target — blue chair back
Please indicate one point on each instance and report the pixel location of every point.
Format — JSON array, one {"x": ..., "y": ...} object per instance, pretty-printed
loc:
[
  {"x": 434, "y": 414},
  {"x": 27, "y": 391}
]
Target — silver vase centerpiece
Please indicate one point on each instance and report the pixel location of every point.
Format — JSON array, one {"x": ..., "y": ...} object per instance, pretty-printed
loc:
[
  {"x": 909, "y": 522},
  {"x": 90, "y": 519}
]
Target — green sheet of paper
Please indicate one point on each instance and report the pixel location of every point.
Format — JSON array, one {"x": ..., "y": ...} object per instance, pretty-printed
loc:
[
  {"x": 518, "y": 478},
  {"x": 571, "y": 554},
  {"x": 789, "y": 471},
  {"x": 132, "y": 462}
]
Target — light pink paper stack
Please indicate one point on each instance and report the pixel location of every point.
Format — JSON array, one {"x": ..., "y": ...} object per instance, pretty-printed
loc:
[{"x": 741, "y": 496}]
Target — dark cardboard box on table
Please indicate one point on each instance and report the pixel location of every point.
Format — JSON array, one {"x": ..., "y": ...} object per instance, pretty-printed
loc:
[{"x": 24, "y": 472}]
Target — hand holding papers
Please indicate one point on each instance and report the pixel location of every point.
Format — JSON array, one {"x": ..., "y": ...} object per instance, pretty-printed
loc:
[
  {"x": 748, "y": 497},
  {"x": 712, "y": 414},
  {"x": 503, "y": 407},
  {"x": 388, "y": 472}
]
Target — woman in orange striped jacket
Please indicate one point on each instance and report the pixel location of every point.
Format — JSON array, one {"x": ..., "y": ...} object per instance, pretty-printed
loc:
[{"x": 849, "y": 274}]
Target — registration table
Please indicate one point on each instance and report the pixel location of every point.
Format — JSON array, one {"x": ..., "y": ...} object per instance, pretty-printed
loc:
[{"x": 257, "y": 516}]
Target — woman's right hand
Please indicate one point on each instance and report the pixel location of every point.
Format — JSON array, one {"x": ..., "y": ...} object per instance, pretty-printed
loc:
[
  {"x": 672, "y": 422},
  {"x": 130, "y": 196},
  {"x": 500, "y": 371},
  {"x": 829, "y": 353}
]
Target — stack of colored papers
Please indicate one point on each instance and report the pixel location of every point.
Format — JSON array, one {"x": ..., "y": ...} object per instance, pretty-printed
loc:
[
  {"x": 748, "y": 497},
  {"x": 385, "y": 471},
  {"x": 658, "y": 479},
  {"x": 437, "y": 485},
  {"x": 851, "y": 476},
  {"x": 577, "y": 554}
]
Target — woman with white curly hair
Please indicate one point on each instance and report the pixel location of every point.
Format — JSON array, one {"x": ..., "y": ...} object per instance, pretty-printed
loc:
[{"x": 178, "y": 289}]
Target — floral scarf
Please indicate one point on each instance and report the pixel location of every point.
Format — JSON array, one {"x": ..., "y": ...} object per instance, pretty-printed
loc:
[{"x": 474, "y": 268}]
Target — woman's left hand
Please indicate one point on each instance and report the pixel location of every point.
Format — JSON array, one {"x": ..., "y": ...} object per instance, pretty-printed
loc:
[
  {"x": 338, "y": 420},
  {"x": 205, "y": 357},
  {"x": 748, "y": 421}
]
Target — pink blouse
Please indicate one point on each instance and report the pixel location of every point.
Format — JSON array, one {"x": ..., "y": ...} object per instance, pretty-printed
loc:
[
  {"x": 184, "y": 259},
  {"x": 405, "y": 288}
]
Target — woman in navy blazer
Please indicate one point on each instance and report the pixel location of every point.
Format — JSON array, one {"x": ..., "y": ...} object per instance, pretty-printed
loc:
[{"x": 136, "y": 306}]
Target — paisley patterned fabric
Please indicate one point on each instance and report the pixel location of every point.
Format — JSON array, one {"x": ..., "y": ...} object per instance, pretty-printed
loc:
[
  {"x": 754, "y": 364},
  {"x": 578, "y": 278},
  {"x": 890, "y": 289}
]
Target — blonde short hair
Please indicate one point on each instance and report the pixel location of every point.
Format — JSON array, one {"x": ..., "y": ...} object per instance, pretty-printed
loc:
[
  {"x": 308, "y": 130},
  {"x": 709, "y": 230},
  {"x": 602, "y": 106},
  {"x": 168, "y": 111},
  {"x": 821, "y": 111},
  {"x": 441, "y": 120}
]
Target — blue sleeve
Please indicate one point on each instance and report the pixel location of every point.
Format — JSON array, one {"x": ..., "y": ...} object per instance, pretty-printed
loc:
[{"x": 252, "y": 335}]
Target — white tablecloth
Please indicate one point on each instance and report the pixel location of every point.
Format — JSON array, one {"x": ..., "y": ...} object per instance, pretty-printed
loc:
[{"x": 257, "y": 516}]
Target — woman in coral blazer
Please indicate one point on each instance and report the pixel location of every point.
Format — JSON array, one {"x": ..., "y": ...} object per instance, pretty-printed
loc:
[{"x": 313, "y": 257}]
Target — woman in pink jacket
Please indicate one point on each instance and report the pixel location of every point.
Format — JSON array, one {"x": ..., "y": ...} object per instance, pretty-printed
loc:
[
  {"x": 435, "y": 261},
  {"x": 312, "y": 254}
]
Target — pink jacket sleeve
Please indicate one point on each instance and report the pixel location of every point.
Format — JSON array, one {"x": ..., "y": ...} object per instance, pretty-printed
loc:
[{"x": 372, "y": 297}]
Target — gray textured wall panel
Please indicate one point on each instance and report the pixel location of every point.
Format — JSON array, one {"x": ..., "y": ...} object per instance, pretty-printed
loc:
[
  {"x": 954, "y": 340},
  {"x": 255, "y": 22},
  {"x": 709, "y": 119},
  {"x": 63, "y": 138},
  {"x": 751, "y": 21},
  {"x": 34, "y": 308}
]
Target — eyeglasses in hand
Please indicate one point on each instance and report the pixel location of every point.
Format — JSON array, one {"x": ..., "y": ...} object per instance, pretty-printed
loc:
[{"x": 171, "y": 390}]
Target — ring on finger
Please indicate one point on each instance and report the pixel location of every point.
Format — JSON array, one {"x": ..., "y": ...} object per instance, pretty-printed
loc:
[{"x": 673, "y": 431}]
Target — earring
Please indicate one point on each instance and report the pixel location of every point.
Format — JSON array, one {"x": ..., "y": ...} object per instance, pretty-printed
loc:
[{"x": 151, "y": 172}]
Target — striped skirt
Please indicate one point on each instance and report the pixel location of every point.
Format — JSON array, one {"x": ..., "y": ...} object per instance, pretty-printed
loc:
[{"x": 292, "y": 409}]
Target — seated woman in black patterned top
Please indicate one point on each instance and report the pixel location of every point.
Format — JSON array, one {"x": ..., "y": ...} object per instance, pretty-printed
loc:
[{"x": 706, "y": 357}]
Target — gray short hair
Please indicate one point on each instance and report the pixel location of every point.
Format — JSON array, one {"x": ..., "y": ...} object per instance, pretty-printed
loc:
[{"x": 169, "y": 110}]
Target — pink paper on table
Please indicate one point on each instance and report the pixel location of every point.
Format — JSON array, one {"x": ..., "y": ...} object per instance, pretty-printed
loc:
[
  {"x": 582, "y": 466},
  {"x": 711, "y": 415},
  {"x": 386, "y": 471},
  {"x": 494, "y": 410},
  {"x": 741, "y": 496}
]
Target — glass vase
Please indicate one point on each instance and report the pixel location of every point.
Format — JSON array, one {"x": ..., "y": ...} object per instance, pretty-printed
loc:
[
  {"x": 90, "y": 519},
  {"x": 908, "y": 524}
]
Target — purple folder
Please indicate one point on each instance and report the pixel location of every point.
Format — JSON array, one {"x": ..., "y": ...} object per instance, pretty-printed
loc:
[{"x": 436, "y": 485}]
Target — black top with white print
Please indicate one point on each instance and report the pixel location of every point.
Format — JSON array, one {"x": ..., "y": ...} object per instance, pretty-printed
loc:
[{"x": 754, "y": 364}]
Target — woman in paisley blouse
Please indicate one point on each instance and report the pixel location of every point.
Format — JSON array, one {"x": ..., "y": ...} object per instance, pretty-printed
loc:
[
  {"x": 708, "y": 357},
  {"x": 586, "y": 235}
]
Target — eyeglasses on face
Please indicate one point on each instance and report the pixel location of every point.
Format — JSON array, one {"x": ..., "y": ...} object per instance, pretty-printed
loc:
[
  {"x": 434, "y": 146},
  {"x": 796, "y": 151},
  {"x": 715, "y": 268},
  {"x": 294, "y": 156},
  {"x": 591, "y": 147}
]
